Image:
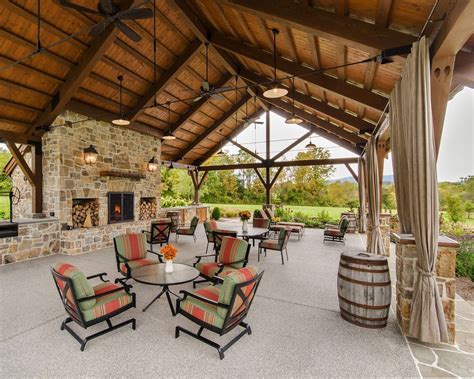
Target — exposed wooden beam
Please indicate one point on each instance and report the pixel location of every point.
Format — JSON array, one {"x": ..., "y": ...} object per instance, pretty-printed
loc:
[
  {"x": 23, "y": 125},
  {"x": 196, "y": 106},
  {"x": 100, "y": 114},
  {"x": 20, "y": 160},
  {"x": 87, "y": 62},
  {"x": 259, "y": 175},
  {"x": 326, "y": 82},
  {"x": 354, "y": 175},
  {"x": 275, "y": 177},
  {"x": 328, "y": 127},
  {"x": 344, "y": 30},
  {"x": 37, "y": 167},
  {"x": 292, "y": 145},
  {"x": 166, "y": 78},
  {"x": 20, "y": 138},
  {"x": 321, "y": 132},
  {"x": 248, "y": 151},
  {"x": 213, "y": 127},
  {"x": 319, "y": 106},
  {"x": 233, "y": 134},
  {"x": 299, "y": 163},
  {"x": 456, "y": 29}
]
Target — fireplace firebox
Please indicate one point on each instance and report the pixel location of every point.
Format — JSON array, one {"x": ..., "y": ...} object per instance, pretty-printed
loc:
[{"x": 121, "y": 207}]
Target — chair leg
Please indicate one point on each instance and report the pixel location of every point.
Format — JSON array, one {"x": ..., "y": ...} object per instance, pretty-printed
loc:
[
  {"x": 207, "y": 246},
  {"x": 258, "y": 253},
  {"x": 282, "y": 260},
  {"x": 286, "y": 250},
  {"x": 194, "y": 236}
]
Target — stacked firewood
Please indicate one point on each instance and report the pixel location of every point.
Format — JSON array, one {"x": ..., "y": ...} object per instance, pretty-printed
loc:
[
  {"x": 81, "y": 210},
  {"x": 147, "y": 210}
]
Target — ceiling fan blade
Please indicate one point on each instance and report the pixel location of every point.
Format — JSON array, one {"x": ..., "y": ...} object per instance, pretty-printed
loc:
[
  {"x": 205, "y": 86},
  {"x": 79, "y": 8},
  {"x": 223, "y": 89},
  {"x": 107, "y": 6},
  {"x": 130, "y": 33},
  {"x": 136, "y": 14},
  {"x": 197, "y": 98},
  {"x": 217, "y": 96}
]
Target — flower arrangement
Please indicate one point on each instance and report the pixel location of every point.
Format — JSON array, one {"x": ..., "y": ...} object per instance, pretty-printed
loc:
[
  {"x": 245, "y": 215},
  {"x": 169, "y": 252}
]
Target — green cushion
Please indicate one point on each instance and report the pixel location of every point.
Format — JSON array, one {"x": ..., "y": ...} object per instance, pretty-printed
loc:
[
  {"x": 107, "y": 303},
  {"x": 80, "y": 284},
  {"x": 204, "y": 311}
]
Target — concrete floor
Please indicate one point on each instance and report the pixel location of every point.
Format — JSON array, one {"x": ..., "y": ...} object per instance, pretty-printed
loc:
[{"x": 297, "y": 329}]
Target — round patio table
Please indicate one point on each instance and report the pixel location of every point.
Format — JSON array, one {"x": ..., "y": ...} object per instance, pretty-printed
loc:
[
  {"x": 250, "y": 233},
  {"x": 155, "y": 275}
]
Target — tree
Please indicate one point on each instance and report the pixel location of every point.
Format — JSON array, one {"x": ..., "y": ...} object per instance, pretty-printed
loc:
[
  {"x": 454, "y": 208},
  {"x": 388, "y": 197},
  {"x": 469, "y": 208}
]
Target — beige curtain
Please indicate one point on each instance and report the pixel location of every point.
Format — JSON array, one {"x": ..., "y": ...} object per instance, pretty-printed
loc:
[
  {"x": 414, "y": 119},
  {"x": 361, "y": 177},
  {"x": 376, "y": 242}
]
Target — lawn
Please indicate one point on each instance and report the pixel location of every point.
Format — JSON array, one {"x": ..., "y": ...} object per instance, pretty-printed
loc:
[
  {"x": 4, "y": 208},
  {"x": 334, "y": 212}
]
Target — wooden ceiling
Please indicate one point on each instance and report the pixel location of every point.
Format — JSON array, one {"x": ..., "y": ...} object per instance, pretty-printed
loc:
[{"x": 80, "y": 74}]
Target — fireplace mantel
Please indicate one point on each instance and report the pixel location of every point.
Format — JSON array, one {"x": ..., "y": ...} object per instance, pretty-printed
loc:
[{"x": 123, "y": 174}]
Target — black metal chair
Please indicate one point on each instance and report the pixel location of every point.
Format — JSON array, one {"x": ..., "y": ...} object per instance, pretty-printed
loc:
[
  {"x": 279, "y": 244},
  {"x": 87, "y": 305},
  {"x": 159, "y": 232},
  {"x": 188, "y": 231},
  {"x": 337, "y": 235},
  {"x": 209, "y": 226},
  {"x": 220, "y": 309}
]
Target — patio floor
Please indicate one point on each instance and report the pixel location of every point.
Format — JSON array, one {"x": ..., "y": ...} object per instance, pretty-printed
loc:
[{"x": 297, "y": 329}]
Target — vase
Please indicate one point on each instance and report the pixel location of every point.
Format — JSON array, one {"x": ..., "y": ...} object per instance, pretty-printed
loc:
[
  {"x": 245, "y": 226},
  {"x": 169, "y": 267}
]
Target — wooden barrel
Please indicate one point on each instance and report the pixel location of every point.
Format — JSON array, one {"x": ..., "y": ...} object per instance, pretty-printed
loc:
[{"x": 364, "y": 289}]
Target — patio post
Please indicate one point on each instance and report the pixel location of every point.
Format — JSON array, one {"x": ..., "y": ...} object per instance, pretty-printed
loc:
[{"x": 268, "y": 188}]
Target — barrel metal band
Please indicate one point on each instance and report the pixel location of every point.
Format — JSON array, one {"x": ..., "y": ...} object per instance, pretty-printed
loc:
[
  {"x": 372, "y": 284},
  {"x": 364, "y": 261},
  {"x": 363, "y": 305},
  {"x": 363, "y": 269}
]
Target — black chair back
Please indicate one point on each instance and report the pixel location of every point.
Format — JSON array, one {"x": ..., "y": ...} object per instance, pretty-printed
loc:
[
  {"x": 218, "y": 234},
  {"x": 160, "y": 231},
  {"x": 67, "y": 295}
]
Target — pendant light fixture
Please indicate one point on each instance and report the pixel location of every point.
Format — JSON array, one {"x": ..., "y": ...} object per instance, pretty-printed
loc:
[
  {"x": 310, "y": 145},
  {"x": 276, "y": 91},
  {"x": 169, "y": 136},
  {"x": 293, "y": 119},
  {"x": 152, "y": 165},
  {"x": 121, "y": 120}
]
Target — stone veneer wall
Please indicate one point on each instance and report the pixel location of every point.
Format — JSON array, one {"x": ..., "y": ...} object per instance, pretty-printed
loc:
[
  {"x": 35, "y": 239},
  {"x": 384, "y": 229},
  {"x": 66, "y": 176},
  {"x": 24, "y": 207},
  {"x": 406, "y": 261}
]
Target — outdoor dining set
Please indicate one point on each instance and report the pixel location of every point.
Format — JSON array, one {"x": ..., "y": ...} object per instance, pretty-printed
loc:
[{"x": 219, "y": 305}]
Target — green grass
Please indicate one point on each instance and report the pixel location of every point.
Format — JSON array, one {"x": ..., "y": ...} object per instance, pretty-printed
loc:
[
  {"x": 4, "y": 207},
  {"x": 334, "y": 212}
]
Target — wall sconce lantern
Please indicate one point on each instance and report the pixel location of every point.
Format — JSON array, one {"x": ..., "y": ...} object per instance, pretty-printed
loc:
[
  {"x": 152, "y": 165},
  {"x": 90, "y": 155}
]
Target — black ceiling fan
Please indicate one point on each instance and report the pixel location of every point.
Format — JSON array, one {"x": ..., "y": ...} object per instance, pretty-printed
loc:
[
  {"x": 114, "y": 11},
  {"x": 206, "y": 89}
]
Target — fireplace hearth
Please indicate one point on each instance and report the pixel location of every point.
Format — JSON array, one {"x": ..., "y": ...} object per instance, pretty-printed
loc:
[{"x": 121, "y": 207}]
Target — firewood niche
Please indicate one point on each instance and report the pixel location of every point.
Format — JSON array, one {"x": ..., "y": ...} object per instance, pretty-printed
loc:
[{"x": 123, "y": 174}]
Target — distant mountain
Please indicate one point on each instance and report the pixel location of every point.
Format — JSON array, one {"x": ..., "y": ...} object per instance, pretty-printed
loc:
[{"x": 386, "y": 179}]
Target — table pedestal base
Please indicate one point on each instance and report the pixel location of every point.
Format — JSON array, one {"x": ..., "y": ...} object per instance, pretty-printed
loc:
[{"x": 167, "y": 292}]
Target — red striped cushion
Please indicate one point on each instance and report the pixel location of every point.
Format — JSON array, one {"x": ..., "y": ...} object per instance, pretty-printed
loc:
[
  {"x": 131, "y": 246},
  {"x": 201, "y": 310},
  {"x": 137, "y": 263},
  {"x": 232, "y": 250},
  {"x": 270, "y": 244},
  {"x": 80, "y": 285},
  {"x": 108, "y": 303},
  {"x": 210, "y": 269}
]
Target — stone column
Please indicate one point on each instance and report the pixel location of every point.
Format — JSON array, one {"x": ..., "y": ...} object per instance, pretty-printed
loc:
[
  {"x": 384, "y": 221},
  {"x": 445, "y": 277}
]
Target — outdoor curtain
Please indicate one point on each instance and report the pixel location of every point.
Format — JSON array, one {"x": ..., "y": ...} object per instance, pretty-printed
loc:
[
  {"x": 414, "y": 152},
  {"x": 376, "y": 242},
  {"x": 361, "y": 180}
]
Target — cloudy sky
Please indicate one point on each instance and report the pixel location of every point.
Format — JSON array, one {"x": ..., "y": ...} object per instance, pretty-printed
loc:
[{"x": 456, "y": 157}]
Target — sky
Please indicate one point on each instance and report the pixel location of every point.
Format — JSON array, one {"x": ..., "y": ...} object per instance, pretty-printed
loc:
[{"x": 456, "y": 157}]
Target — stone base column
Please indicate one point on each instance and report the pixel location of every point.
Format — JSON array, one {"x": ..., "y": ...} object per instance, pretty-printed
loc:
[
  {"x": 384, "y": 221},
  {"x": 445, "y": 277}
]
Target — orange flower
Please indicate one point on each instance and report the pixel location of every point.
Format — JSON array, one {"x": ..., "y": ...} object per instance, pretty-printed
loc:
[
  {"x": 169, "y": 252},
  {"x": 245, "y": 215}
]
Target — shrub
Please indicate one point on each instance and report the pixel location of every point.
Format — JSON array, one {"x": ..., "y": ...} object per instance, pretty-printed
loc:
[
  {"x": 454, "y": 208},
  {"x": 257, "y": 213},
  {"x": 216, "y": 213},
  {"x": 230, "y": 213},
  {"x": 465, "y": 264},
  {"x": 324, "y": 217},
  {"x": 352, "y": 204}
]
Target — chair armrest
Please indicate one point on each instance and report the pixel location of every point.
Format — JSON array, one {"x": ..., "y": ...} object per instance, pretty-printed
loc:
[
  {"x": 201, "y": 298},
  {"x": 217, "y": 279},
  {"x": 125, "y": 287},
  {"x": 101, "y": 276},
  {"x": 231, "y": 263},
  {"x": 203, "y": 256}
]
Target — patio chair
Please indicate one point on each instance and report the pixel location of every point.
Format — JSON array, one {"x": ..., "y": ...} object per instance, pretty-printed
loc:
[
  {"x": 218, "y": 235},
  {"x": 131, "y": 253},
  {"x": 188, "y": 231},
  {"x": 296, "y": 229},
  {"x": 220, "y": 310},
  {"x": 276, "y": 244},
  {"x": 233, "y": 254},
  {"x": 336, "y": 235},
  {"x": 260, "y": 223},
  {"x": 209, "y": 226},
  {"x": 89, "y": 305},
  {"x": 159, "y": 232}
]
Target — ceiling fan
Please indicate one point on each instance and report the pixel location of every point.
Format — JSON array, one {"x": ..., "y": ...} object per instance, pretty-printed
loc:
[
  {"x": 114, "y": 11},
  {"x": 206, "y": 89},
  {"x": 249, "y": 120}
]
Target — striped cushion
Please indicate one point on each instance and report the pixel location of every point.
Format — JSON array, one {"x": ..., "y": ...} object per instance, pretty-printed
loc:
[
  {"x": 232, "y": 250},
  {"x": 107, "y": 303},
  {"x": 203, "y": 311},
  {"x": 186, "y": 231},
  {"x": 131, "y": 246},
  {"x": 209, "y": 269},
  {"x": 227, "y": 289},
  {"x": 333, "y": 233},
  {"x": 80, "y": 284},
  {"x": 137, "y": 263},
  {"x": 270, "y": 244}
]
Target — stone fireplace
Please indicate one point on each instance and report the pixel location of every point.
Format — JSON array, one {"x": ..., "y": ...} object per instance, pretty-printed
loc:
[{"x": 120, "y": 206}]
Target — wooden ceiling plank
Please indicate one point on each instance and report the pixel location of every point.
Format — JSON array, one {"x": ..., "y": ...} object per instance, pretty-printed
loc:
[
  {"x": 28, "y": 108},
  {"x": 357, "y": 94},
  {"x": 347, "y": 31},
  {"x": 86, "y": 63},
  {"x": 54, "y": 79},
  {"x": 286, "y": 32},
  {"x": 382, "y": 14},
  {"x": 244, "y": 26},
  {"x": 176, "y": 68}
]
